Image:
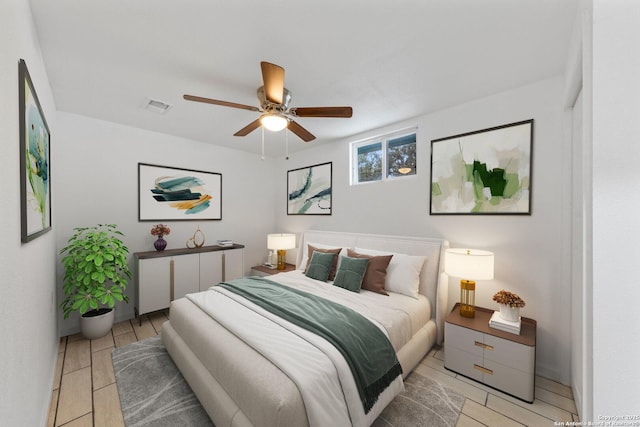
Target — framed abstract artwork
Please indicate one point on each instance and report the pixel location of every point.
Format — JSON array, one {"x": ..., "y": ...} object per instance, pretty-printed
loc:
[
  {"x": 174, "y": 194},
  {"x": 487, "y": 172},
  {"x": 35, "y": 164},
  {"x": 309, "y": 190}
]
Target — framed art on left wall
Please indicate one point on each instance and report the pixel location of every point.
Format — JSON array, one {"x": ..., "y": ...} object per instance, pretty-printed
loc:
[{"x": 35, "y": 165}]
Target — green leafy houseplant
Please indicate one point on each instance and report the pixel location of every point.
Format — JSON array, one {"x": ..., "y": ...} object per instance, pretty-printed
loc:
[{"x": 96, "y": 270}]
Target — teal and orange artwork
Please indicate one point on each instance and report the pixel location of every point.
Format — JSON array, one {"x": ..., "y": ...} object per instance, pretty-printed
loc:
[
  {"x": 484, "y": 172},
  {"x": 183, "y": 193},
  {"x": 168, "y": 193}
]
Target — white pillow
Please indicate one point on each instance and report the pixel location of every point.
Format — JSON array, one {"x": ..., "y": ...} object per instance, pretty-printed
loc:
[
  {"x": 403, "y": 272},
  {"x": 305, "y": 252}
]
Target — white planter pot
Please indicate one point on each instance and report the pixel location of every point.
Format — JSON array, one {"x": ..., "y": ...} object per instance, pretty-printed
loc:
[
  {"x": 512, "y": 314},
  {"x": 97, "y": 326}
]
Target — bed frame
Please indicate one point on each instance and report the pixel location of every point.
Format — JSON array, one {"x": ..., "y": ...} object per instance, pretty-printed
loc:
[{"x": 239, "y": 387}]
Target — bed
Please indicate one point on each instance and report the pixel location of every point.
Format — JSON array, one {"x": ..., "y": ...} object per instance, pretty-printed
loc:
[{"x": 239, "y": 384}]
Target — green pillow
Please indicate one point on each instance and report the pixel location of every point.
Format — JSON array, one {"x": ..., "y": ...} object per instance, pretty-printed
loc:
[
  {"x": 351, "y": 273},
  {"x": 320, "y": 266}
]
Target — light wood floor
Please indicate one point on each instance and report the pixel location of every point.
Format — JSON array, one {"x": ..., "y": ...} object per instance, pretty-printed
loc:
[{"x": 85, "y": 392}]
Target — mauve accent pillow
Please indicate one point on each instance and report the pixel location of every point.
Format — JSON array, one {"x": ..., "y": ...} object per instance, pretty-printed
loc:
[
  {"x": 334, "y": 267},
  {"x": 376, "y": 274}
]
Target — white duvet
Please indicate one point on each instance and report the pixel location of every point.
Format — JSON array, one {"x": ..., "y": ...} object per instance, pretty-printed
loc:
[{"x": 318, "y": 369}]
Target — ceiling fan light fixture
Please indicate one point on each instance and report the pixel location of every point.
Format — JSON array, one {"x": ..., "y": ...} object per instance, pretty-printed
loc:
[
  {"x": 404, "y": 170},
  {"x": 274, "y": 122}
]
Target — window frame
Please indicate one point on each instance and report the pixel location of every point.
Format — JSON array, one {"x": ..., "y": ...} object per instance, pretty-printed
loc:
[{"x": 384, "y": 140}]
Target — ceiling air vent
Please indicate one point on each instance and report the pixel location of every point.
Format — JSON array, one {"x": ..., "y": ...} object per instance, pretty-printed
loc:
[{"x": 157, "y": 106}]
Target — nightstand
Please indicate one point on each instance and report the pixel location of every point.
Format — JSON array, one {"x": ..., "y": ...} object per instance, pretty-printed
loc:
[
  {"x": 501, "y": 360},
  {"x": 261, "y": 270}
]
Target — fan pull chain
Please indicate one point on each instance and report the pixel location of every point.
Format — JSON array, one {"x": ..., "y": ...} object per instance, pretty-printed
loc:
[
  {"x": 262, "y": 158},
  {"x": 286, "y": 143}
]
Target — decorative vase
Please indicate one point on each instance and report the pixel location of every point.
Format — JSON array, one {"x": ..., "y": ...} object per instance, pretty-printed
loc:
[
  {"x": 160, "y": 244},
  {"x": 512, "y": 314},
  {"x": 97, "y": 323}
]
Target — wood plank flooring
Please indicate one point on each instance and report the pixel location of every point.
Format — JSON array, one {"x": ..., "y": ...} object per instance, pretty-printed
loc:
[{"x": 85, "y": 392}]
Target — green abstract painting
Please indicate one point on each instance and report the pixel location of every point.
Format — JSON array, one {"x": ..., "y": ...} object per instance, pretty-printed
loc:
[
  {"x": 35, "y": 183},
  {"x": 483, "y": 172}
]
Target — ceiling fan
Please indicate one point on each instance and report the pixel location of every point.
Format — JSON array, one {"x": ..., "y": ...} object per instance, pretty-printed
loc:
[{"x": 274, "y": 105}]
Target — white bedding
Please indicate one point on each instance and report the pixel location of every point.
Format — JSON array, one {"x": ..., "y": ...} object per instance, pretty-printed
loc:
[
  {"x": 401, "y": 316},
  {"x": 318, "y": 369}
]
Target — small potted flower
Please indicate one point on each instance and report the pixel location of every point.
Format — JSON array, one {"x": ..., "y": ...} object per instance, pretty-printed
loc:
[
  {"x": 510, "y": 305},
  {"x": 160, "y": 230}
]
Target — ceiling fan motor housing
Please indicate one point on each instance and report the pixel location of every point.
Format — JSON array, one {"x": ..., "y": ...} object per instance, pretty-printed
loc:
[{"x": 272, "y": 107}]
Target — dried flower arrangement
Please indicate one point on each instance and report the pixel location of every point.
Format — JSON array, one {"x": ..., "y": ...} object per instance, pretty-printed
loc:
[
  {"x": 509, "y": 298},
  {"x": 160, "y": 230}
]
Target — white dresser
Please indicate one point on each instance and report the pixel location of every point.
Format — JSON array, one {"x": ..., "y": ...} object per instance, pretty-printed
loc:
[
  {"x": 162, "y": 276},
  {"x": 498, "y": 359}
]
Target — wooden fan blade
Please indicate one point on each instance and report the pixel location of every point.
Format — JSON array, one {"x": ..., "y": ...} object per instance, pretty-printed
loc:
[
  {"x": 217, "y": 102},
  {"x": 339, "y": 112},
  {"x": 248, "y": 128},
  {"x": 302, "y": 133},
  {"x": 273, "y": 79}
]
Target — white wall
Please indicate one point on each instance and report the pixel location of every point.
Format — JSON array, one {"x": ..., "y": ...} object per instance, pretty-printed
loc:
[
  {"x": 97, "y": 182},
  {"x": 616, "y": 203},
  {"x": 577, "y": 103},
  {"x": 27, "y": 278},
  {"x": 530, "y": 251}
]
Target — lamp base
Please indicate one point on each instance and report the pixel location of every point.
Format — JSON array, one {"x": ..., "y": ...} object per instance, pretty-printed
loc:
[
  {"x": 467, "y": 298},
  {"x": 282, "y": 257}
]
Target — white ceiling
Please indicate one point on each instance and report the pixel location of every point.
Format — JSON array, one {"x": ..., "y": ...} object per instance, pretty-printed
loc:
[{"x": 390, "y": 60}]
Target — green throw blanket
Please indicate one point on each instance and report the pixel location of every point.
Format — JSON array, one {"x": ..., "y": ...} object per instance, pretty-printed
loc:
[{"x": 365, "y": 347}]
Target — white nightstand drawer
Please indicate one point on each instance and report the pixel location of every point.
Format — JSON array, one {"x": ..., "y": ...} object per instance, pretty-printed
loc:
[
  {"x": 464, "y": 339},
  {"x": 509, "y": 353},
  {"x": 507, "y": 379},
  {"x": 462, "y": 362}
]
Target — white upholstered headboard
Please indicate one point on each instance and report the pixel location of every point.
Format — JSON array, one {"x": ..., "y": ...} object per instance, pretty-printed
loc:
[{"x": 433, "y": 280}]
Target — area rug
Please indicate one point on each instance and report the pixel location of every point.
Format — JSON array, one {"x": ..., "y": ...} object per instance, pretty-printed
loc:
[
  {"x": 152, "y": 390},
  {"x": 154, "y": 393}
]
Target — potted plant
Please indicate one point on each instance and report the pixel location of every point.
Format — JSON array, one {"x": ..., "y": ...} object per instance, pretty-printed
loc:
[{"x": 96, "y": 275}]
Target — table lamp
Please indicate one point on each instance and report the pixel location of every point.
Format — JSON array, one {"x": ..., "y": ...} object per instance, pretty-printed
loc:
[
  {"x": 281, "y": 242},
  {"x": 469, "y": 265}
]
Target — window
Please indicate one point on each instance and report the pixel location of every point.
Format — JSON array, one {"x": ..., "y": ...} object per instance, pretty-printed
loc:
[{"x": 386, "y": 157}]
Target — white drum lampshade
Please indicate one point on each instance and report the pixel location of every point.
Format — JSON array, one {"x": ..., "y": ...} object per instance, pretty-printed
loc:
[
  {"x": 469, "y": 265},
  {"x": 280, "y": 242}
]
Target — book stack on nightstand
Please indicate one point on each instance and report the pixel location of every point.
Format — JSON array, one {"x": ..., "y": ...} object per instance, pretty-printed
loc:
[{"x": 497, "y": 322}]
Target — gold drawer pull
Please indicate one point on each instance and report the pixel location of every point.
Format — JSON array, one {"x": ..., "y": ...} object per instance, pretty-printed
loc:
[
  {"x": 483, "y": 369},
  {"x": 483, "y": 345}
]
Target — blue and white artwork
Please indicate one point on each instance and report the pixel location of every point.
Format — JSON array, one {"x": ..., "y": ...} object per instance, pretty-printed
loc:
[{"x": 309, "y": 190}]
